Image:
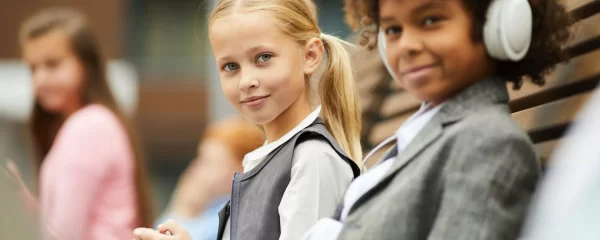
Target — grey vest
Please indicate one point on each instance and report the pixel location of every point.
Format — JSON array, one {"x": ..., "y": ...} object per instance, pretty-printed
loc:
[{"x": 256, "y": 194}]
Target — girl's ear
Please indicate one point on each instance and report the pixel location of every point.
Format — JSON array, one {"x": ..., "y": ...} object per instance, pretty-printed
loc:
[{"x": 313, "y": 55}]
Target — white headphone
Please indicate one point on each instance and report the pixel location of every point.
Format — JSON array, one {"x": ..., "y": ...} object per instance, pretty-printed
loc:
[{"x": 506, "y": 33}]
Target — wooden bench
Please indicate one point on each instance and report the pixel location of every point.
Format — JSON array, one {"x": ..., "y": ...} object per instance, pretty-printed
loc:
[{"x": 544, "y": 112}]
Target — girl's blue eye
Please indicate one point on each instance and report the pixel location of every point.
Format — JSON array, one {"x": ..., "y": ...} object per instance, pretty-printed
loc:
[
  {"x": 264, "y": 58},
  {"x": 230, "y": 67}
]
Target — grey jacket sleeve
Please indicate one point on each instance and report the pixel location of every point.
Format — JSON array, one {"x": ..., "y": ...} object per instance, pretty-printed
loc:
[{"x": 489, "y": 182}]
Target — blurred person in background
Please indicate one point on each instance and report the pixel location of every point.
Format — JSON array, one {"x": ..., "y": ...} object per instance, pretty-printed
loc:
[
  {"x": 203, "y": 189},
  {"x": 93, "y": 182}
]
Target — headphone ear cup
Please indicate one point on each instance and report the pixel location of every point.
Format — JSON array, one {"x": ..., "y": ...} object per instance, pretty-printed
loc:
[
  {"x": 381, "y": 46},
  {"x": 491, "y": 29},
  {"x": 508, "y": 29}
]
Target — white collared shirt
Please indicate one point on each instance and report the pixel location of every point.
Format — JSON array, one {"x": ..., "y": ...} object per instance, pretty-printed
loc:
[
  {"x": 328, "y": 228},
  {"x": 252, "y": 159},
  {"x": 319, "y": 178}
]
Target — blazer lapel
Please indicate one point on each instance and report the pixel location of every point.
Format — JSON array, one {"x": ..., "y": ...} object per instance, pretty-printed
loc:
[
  {"x": 428, "y": 134},
  {"x": 482, "y": 94},
  {"x": 492, "y": 90}
]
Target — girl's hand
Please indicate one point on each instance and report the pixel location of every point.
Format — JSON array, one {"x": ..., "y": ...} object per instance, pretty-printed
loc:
[
  {"x": 169, "y": 230},
  {"x": 14, "y": 175},
  {"x": 11, "y": 171}
]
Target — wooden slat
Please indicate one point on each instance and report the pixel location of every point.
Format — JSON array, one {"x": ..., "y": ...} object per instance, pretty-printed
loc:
[
  {"x": 548, "y": 133},
  {"x": 583, "y": 47},
  {"x": 555, "y": 93},
  {"x": 577, "y": 69},
  {"x": 366, "y": 82},
  {"x": 371, "y": 115},
  {"x": 557, "y": 112},
  {"x": 548, "y": 136},
  {"x": 386, "y": 128},
  {"x": 366, "y": 100},
  {"x": 586, "y": 10},
  {"x": 399, "y": 103},
  {"x": 548, "y": 122}
]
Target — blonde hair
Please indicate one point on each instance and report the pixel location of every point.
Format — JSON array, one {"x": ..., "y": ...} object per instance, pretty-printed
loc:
[{"x": 337, "y": 89}]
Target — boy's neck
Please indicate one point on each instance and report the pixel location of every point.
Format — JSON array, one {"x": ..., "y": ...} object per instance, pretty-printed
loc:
[{"x": 488, "y": 72}]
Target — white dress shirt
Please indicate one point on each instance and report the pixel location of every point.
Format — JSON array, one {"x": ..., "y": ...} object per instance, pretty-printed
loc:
[
  {"x": 328, "y": 228},
  {"x": 319, "y": 179}
]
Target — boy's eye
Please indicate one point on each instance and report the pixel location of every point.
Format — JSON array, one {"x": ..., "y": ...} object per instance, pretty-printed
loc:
[
  {"x": 264, "y": 58},
  {"x": 428, "y": 21},
  {"x": 230, "y": 67},
  {"x": 392, "y": 30}
]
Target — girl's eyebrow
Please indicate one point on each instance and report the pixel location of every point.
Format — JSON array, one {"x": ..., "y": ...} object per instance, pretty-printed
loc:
[
  {"x": 223, "y": 58},
  {"x": 254, "y": 49},
  {"x": 248, "y": 51}
]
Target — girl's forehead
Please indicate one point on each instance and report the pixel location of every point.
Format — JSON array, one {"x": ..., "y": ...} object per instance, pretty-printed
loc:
[
  {"x": 251, "y": 24},
  {"x": 243, "y": 17},
  {"x": 49, "y": 44},
  {"x": 245, "y": 32}
]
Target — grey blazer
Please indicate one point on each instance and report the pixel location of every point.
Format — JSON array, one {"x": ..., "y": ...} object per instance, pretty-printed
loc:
[{"x": 469, "y": 174}]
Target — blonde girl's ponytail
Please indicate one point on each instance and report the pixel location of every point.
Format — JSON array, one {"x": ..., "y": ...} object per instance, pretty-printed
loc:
[{"x": 339, "y": 97}]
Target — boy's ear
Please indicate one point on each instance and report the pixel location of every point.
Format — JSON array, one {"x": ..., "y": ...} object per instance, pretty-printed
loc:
[
  {"x": 534, "y": 3},
  {"x": 313, "y": 55}
]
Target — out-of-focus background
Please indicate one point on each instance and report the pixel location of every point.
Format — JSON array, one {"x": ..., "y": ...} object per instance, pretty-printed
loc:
[
  {"x": 163, "y": 75},
  {"x": 161, "y": 71}
]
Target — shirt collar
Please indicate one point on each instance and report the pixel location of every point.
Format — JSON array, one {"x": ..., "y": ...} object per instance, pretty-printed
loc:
[
  {"x": 411, "y": 127},
  {"x": 423, "y": 115},
  {"x": 267, "y": 148}
]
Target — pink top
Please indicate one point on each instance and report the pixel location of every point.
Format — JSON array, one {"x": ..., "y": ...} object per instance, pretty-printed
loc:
[{"x": 87, "y": 179}]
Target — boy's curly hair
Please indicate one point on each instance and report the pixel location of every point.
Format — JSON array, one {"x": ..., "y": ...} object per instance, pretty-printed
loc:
[{"x": 551, "y": 31}]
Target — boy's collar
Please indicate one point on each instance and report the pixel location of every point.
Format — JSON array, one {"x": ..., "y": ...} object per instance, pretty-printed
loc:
[{"x": 485, "y": 92}]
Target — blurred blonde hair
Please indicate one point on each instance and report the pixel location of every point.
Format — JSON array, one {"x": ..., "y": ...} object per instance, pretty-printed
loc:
[
  {"x": 239, "y": 135},
  {"x": 337, "y": 89}
]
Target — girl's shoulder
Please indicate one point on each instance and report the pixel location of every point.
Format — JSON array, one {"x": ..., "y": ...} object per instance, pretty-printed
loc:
[
  {"x": 317, "y": 157},
  {"x": 316, "y": 151},
  {"x": 93, "y": 116},
  {"x": 93, "y": 123}
]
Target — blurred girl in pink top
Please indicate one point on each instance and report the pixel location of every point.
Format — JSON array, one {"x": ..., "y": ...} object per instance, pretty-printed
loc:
[{"x": 93, "y": 183}]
